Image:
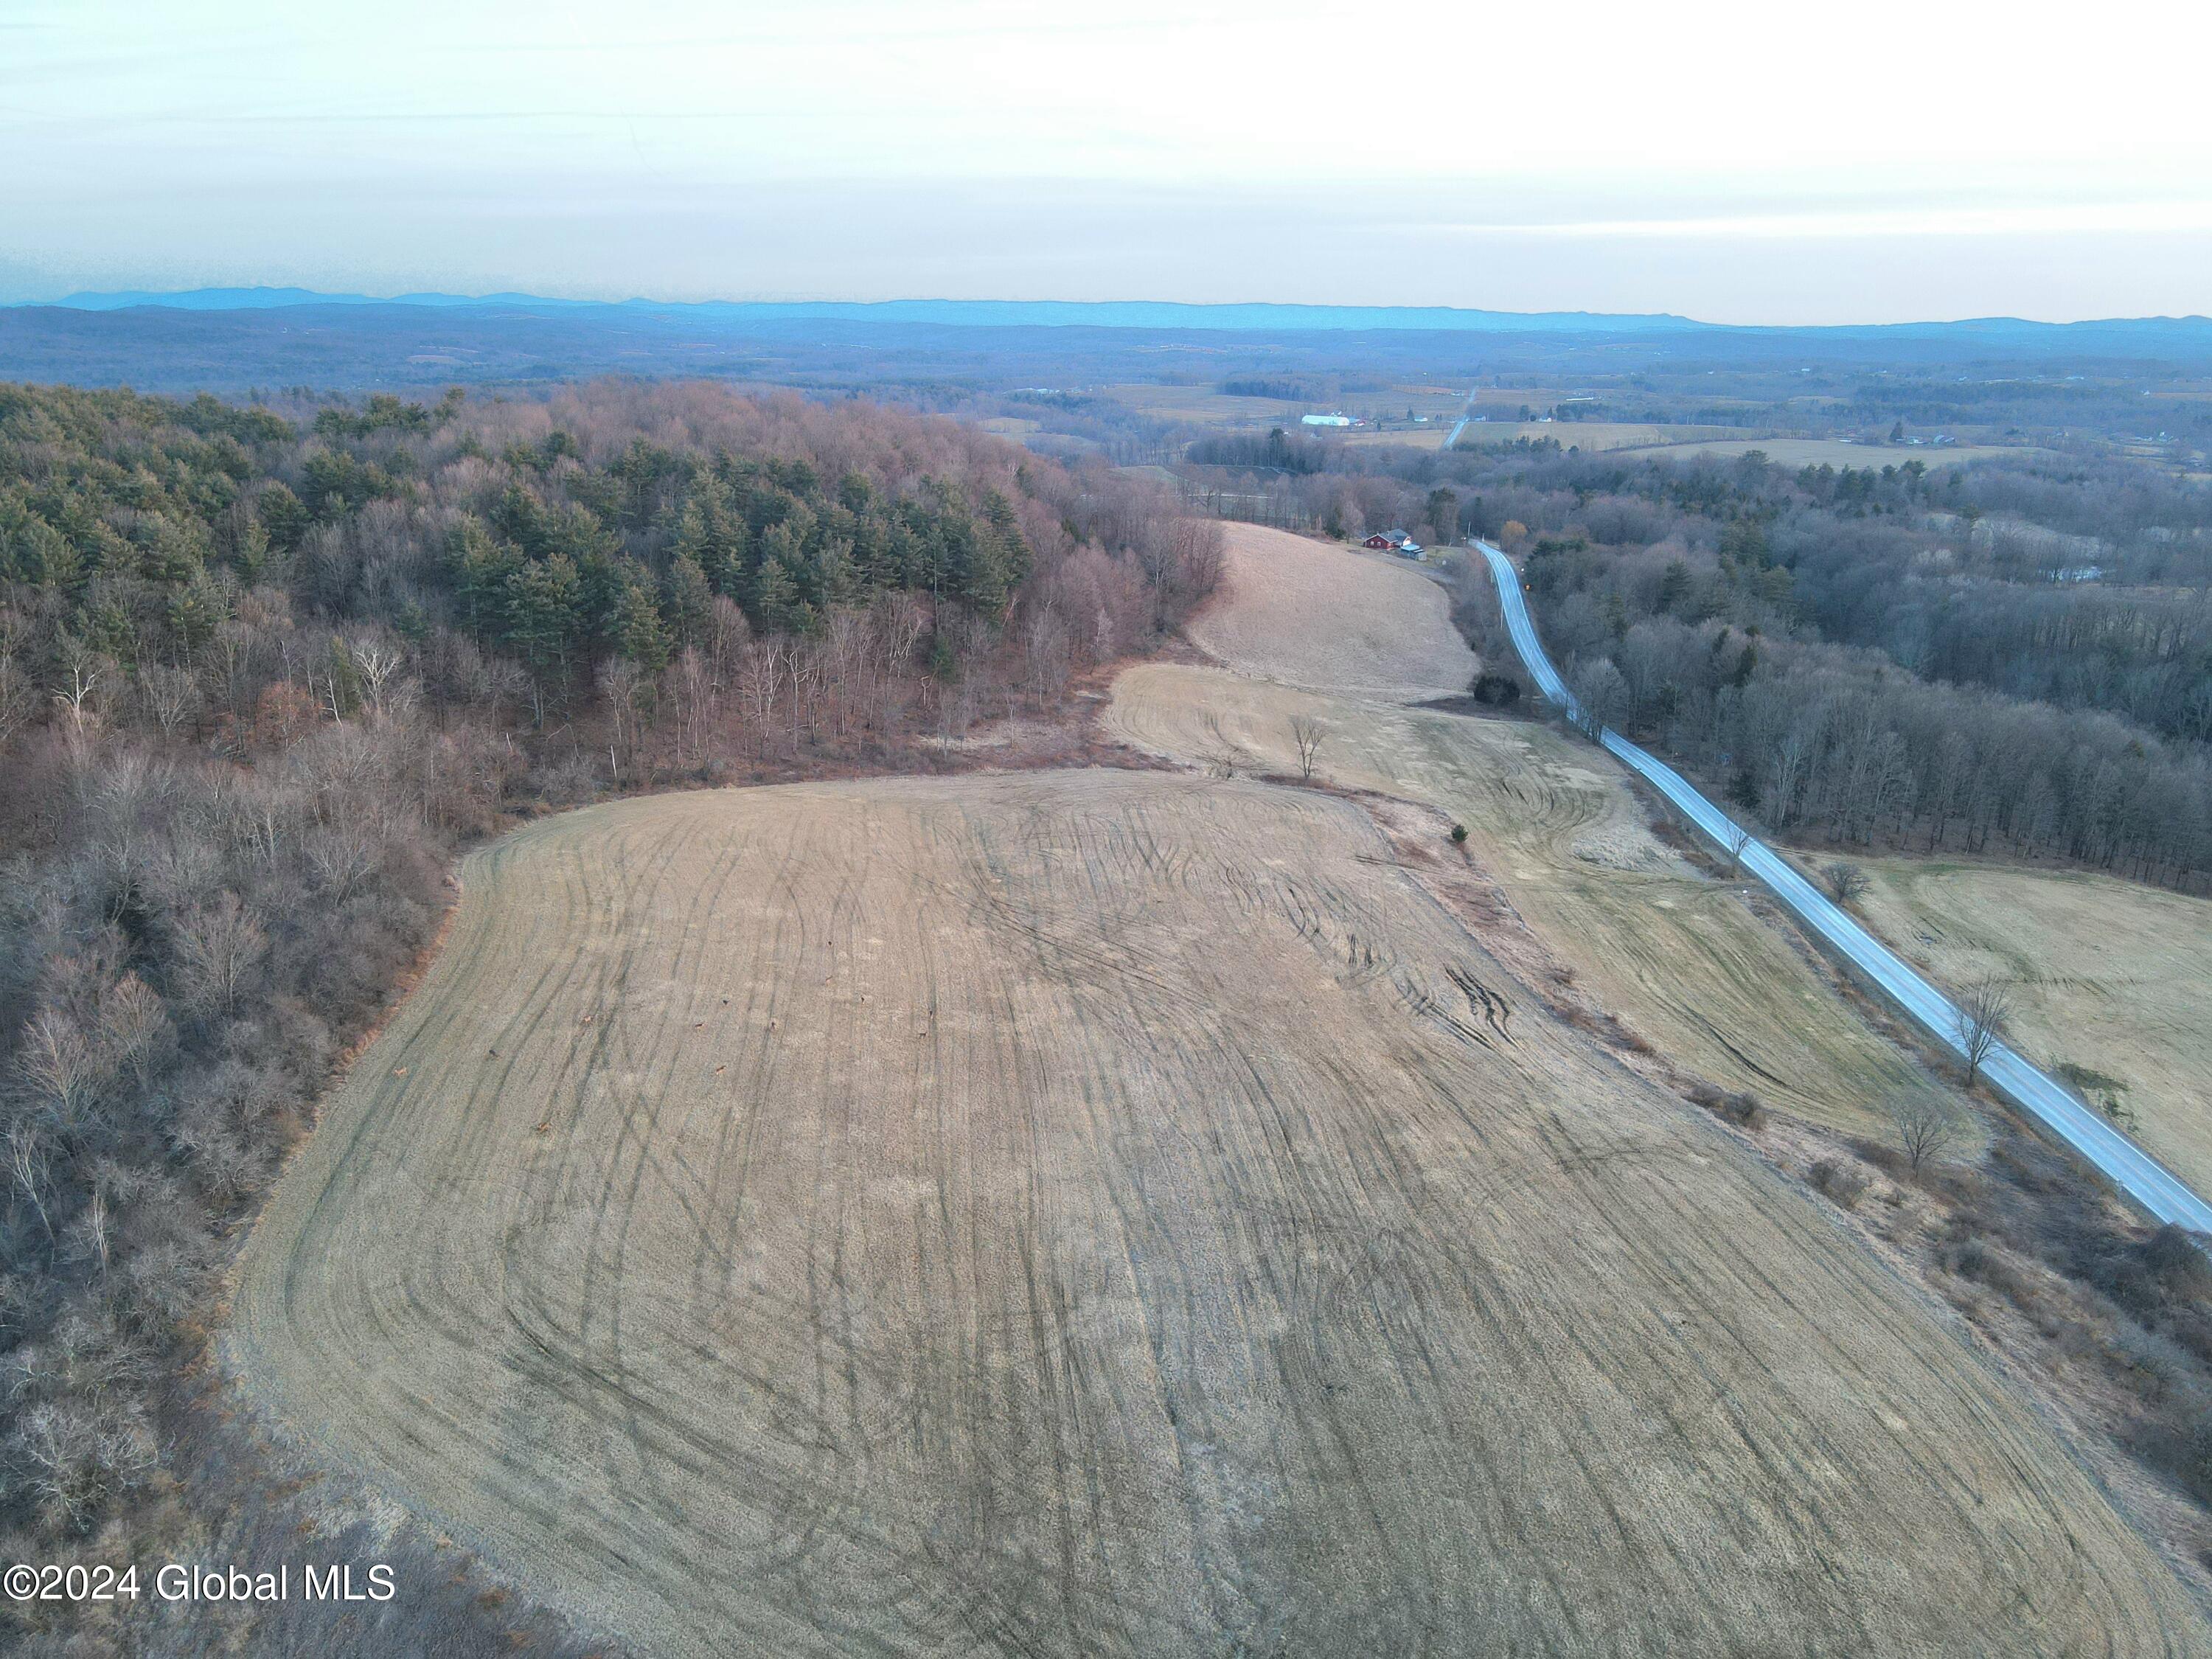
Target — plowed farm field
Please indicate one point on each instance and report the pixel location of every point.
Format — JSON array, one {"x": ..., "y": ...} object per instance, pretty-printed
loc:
[
  {"x": 1317, "y": 615},
  {"x": 1113, "y": 1213},
  {"x": 1680, "y": 957}
]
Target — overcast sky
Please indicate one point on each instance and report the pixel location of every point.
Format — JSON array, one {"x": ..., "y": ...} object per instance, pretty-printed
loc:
[{"x": 1738, "y": 162}]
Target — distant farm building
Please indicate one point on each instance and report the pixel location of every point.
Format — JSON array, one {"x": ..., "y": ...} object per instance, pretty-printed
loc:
[
  {"x": 1393, "y": 541},
  {"x": 1325, "y": 420}
]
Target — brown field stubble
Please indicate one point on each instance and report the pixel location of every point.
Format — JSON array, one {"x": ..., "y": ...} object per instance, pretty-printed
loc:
[
  {"x": 1325, "y": 617},
  {"x": 1678, "y": 956},
  {"x": 1087, "y": 1212}
]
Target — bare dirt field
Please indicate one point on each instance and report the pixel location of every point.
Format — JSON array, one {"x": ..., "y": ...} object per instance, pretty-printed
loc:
[
  {"x": 1676, "y": 954},
  {"x": 2106, "y": 976},
  {"x": 1317, "y": 615},
  {"x": 1098, "y": 1213}
]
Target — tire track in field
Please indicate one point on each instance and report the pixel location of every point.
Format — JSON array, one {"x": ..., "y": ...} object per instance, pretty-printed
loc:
[{"x": 1105, "y": 1239}]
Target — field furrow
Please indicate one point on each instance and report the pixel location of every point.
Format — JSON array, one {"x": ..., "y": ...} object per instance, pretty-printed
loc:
[{"x": 1089, "y": 1214}]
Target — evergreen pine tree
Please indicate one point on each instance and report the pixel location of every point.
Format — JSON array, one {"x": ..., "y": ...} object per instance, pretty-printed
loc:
[
  {"x": 638, "y": 632},
  {"x": 545, "y": 611},
  {"x": 777, "y": 607},
  {"x": 687, "y": 599}
]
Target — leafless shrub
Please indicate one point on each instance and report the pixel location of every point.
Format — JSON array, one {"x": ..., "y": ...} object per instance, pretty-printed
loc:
[
  {"x": 1225, "y": 754},
  {"x": 1307, "y": 732},
  {"x": 1840, "y": 1183},
  {"x": 1738, "y": 1107}
]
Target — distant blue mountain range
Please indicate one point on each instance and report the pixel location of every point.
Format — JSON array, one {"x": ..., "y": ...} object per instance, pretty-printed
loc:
[
  {"x": 979, "y": 313},
  {"x": 214, "y": 339},
  {"x": 1132, "y": 313}
]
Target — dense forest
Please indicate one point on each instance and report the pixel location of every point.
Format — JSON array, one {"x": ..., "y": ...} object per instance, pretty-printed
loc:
[
  {"x": 2008, "y": 656},
  {"x": 263, "y": 669}
]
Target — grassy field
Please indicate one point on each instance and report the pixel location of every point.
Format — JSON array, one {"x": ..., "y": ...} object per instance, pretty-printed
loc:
[
  {"x": 1094, "y": 1213},
  {"x": 1678, "y": 956},
  {"x": 2109, "y": 977},
  {"x": 1832, "y": 452}
]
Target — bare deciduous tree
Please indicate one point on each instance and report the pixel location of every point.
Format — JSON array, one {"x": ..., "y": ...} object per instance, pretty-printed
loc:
[
  {"x": 1926, "y": 1126},
  {"x": 133, "y": 1027},
  {"x": 1047, "y": 644},
  {"x": 1307, "y": 732},
  {"x": 619, "y": 680},
  {"x": 218, "y": 945},
  {"x": 695, "y": 696},
  {"x": 171, "y": 695},
  {"x": 727, "y": 630},
  {"x": 1984, "y": 1014},
  {"x": 1734, "y": 839},
  {"x": 26, "y": 1162},
  {"x": 80, "y": 684},
  {"x": 1227, "y": 754},
  {"x": 58, "y": 1069},
  {"x": 343, "y": 854},
  {"x": 1846, "y": 882},
  {"x": 376, "y": 663}
]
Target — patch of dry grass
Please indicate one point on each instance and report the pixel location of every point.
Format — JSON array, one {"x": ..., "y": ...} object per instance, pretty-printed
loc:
[{"x": 2108, "y": 977}]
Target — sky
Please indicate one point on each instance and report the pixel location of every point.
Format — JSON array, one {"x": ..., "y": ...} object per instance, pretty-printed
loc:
[{"x": 1737, "y": 162}]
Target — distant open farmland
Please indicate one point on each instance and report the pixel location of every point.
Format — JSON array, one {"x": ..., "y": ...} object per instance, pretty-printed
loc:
[
  {"x": 1204, "y": 406},
  {"x": 1096, "y": 1213},
  {"x": 1832, "y": 452},
  {"x": 2106, "y": 975},
  {"x": 1592, "y": 434}
]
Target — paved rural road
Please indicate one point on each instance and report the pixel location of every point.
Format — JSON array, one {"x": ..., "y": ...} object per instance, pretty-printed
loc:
[{"x": 2131, "y": 1169}]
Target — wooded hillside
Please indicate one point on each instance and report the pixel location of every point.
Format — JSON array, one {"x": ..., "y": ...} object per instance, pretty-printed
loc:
[{"x": 261, "y": 671}]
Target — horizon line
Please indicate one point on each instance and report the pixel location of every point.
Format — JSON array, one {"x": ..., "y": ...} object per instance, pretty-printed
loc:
[{"x": 274, "y": 296}]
